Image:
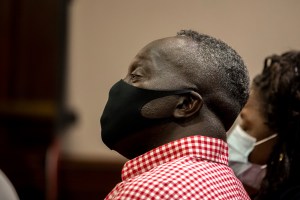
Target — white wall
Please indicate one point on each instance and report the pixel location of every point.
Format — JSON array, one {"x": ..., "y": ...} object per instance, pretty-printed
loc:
[{"x": 106, "y": 34}]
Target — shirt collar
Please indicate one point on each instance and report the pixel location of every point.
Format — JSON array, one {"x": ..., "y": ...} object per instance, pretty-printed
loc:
[{"x": 206, "y": 148}]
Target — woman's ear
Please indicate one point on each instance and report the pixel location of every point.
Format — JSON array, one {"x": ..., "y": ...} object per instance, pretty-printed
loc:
[{"x": 188, "y": 105}]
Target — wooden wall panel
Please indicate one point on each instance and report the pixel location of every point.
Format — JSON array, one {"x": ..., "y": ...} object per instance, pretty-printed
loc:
[
  {"x": 32, "y": 71},
  {"x": 81, "y": 180}
]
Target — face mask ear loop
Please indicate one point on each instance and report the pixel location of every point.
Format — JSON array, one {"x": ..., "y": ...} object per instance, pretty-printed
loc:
[{"x": 266, "y": 139}]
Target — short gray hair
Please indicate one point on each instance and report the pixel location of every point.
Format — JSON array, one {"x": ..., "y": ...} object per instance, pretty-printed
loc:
[{"x": 226, "y": 64}]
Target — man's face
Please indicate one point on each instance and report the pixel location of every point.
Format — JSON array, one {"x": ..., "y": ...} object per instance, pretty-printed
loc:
[{"x": 154, "y": 67}]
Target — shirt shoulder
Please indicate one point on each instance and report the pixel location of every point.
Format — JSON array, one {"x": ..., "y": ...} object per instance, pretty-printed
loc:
[{"x": 184, "y": 178}]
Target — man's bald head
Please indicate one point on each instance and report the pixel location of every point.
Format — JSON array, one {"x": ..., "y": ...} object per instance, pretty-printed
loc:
[
  {"x": 211, "y": 73},
  {"x": 207, "y": 65}
]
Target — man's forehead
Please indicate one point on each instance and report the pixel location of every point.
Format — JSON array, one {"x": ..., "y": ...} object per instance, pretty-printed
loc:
[
  {"x": 169, "y": 42},
  {"x": 170, "y": 46}
]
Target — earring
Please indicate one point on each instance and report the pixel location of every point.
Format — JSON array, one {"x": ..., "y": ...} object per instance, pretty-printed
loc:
[{"x": 281, "y": 156}]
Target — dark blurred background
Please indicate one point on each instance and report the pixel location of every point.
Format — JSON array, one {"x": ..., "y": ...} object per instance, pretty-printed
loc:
[{"x": 33, "y": 111}]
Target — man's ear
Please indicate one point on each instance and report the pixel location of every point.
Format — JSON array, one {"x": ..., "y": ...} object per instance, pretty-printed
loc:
[{"x": 188, "y": 105}]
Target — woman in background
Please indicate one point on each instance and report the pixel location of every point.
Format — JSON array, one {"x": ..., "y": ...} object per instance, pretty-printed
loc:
[{"x": 264, "y": 149}]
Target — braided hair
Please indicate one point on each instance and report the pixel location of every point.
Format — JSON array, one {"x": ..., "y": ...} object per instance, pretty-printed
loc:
[{"x": 279, "y": 87}]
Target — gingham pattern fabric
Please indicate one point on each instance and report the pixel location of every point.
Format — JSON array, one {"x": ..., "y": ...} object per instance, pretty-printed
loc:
[{"x": 195, "y": 167}]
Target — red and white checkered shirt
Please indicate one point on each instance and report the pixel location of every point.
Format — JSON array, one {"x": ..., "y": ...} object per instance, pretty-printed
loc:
[{"x": 195, "y": 167}]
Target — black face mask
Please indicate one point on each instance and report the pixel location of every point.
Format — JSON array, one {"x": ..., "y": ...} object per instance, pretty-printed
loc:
[{"x": 122, "y": 114}]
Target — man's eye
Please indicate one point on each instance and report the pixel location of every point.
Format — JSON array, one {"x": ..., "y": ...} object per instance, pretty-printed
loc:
[{"x": 134, "y": 77}]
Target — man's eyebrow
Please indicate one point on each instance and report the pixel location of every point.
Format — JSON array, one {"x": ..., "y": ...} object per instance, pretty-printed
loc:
[
  {"x": 135, "y": 65},
  {"x": 143, "y": 57},
  {"x": 141, "y": 60}
]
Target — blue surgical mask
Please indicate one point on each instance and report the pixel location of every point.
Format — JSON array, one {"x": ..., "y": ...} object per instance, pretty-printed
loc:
[{"x": 241, "y": 144}]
